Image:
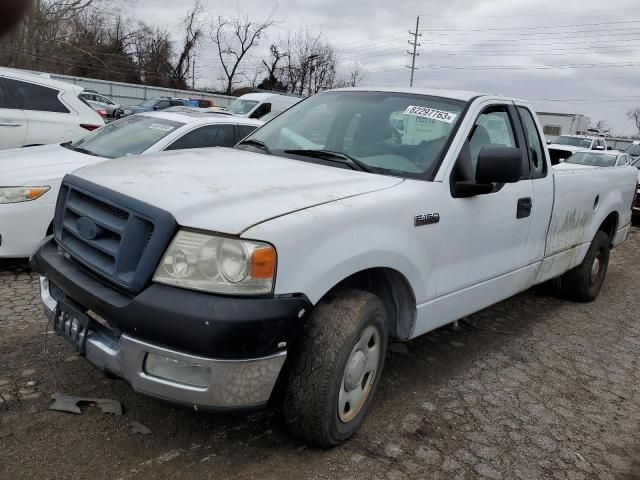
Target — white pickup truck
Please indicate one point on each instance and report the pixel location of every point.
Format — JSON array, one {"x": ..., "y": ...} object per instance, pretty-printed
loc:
[{"x": 223, "y": 278}]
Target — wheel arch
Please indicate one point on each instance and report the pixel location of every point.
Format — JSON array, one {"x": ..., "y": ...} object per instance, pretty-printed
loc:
[
  {"x": 395, "y": 291},
  {"x": 610, "y": 226}
]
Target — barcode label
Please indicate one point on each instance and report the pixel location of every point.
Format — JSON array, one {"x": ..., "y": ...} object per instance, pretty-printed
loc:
[{"x": 432, "y": 113}]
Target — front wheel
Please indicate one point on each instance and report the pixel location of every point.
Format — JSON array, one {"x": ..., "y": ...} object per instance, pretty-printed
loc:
[
  {"x": 335, "y": 368},
  {"x": 583, "y": 283}
]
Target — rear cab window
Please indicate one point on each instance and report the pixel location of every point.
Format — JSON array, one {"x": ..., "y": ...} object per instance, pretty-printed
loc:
[{"x": 535, "y": 147}]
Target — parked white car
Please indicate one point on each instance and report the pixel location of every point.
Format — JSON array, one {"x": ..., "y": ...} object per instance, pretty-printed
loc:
[
  {"x": 35, "y": 110},
  {"x": 611, "y": 158},
  {"x": 257, "y": 105},
  {"x": 321, "y": 237},
  {"x": 30, "y": 177},
  {"x": 100, "y": 102}
]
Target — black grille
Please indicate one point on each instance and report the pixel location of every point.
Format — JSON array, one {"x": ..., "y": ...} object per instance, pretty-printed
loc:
[{"x": 114, "y": 235}]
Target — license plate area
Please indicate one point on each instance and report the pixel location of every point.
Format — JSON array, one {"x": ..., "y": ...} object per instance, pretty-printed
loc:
[{"x": 72, "y": 324}]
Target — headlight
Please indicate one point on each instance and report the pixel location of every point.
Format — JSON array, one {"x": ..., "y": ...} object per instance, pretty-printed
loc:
[
  {"x": 128, "y": 112},
  {"x": 218, "y": 264},
  {"x": 21, "y": 194}
]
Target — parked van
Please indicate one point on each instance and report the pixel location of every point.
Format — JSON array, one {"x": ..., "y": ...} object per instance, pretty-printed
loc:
[{"x": 257, "y": 105}]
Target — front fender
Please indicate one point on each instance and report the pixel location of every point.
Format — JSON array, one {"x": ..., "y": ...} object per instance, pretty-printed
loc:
[{"x": 321, "y": 246}]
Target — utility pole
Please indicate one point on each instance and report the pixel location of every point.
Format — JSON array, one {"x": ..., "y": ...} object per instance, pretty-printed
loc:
[
  {"x": 193, "y": 73},
  {"x": 311, "y": 59},
  {"x": 415, "y": 44}
]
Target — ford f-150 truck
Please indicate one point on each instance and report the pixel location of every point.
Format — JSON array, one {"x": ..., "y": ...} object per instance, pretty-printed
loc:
[{"x": 225, "y": 278}]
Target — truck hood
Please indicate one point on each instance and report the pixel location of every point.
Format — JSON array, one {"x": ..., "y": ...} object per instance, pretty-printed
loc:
[
  {"x": 228, "y": 191},
  {"x": 22, "y": 165}
]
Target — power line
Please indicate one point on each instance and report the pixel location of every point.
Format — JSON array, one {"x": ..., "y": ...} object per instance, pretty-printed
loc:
[
  {"x": 548, "y": 14},
  {"x": 415, "y": 44},
  {"x": 539, "y": 27}
]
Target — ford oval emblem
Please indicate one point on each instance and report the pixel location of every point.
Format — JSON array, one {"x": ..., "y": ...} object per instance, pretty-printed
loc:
[{"x": 87, "y": 228}]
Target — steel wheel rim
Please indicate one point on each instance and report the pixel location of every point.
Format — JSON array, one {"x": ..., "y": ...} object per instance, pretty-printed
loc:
[
  {"x": 596, "y": 267},
  {"x": 359, "y": 374}
]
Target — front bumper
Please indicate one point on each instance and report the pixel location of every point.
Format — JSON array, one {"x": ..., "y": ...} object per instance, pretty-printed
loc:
[
  {"x": 242, "y": 342},
  {"x": 231, "y": 383}
]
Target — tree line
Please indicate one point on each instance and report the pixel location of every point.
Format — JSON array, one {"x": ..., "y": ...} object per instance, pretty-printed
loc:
[{"x": 92, "y": 38}]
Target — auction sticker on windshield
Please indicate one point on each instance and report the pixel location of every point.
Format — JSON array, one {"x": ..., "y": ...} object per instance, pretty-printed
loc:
[
  {"x": 159, "y": 126},
  {"x": 432, "y": 113}
]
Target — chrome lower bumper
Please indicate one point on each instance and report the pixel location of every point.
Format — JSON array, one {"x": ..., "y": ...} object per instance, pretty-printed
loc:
[{"x": 231, "y": 383}]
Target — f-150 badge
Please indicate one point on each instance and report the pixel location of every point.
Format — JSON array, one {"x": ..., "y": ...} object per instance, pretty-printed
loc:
[{"x": 427, "y": 219}]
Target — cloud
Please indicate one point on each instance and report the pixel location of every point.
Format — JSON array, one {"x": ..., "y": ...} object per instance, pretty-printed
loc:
[{"x": 492, "y": 46}]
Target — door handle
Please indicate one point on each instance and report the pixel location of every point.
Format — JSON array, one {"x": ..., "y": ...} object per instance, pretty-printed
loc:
[
  {"x": 525, "y": 205},
  {"x": 10, "y": 124}
]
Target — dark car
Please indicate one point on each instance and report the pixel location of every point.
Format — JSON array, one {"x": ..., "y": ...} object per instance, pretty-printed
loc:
[{"x": 152, "y": 104}]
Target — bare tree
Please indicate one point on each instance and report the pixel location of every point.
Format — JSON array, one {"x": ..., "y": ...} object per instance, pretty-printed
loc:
[
  {"x": 193, "y": 33},
  {"x": 234, "y": 37},
  {"x": 634, "y": 114},
  {"x": 310, "y": 62},
  {"x": 353, "y": 76}
]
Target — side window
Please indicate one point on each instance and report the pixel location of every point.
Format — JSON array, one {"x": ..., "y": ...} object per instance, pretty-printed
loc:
[
  {"x": 36, "y": 97},
  {"x": 261, "y": 111},
  {"x": 245, "y": 130},
  {"x": 176, "y": 103},
  {"x": 7, "y": 99},
  {"x": 534, "y": 144},
  {"x": 492, "y": 127},
  {"x": 209, "y": 136}
]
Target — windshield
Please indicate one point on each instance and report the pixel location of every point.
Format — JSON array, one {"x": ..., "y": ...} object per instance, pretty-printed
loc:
[
  {"x": 242, "y": 107},
  {"x": 633, "y": 150},
  {"x": 395, "y": 133},
  {"x": 593, "y": 159},
  {"x": 128, "y": 136},
  {"x": 573, "y": 141}
]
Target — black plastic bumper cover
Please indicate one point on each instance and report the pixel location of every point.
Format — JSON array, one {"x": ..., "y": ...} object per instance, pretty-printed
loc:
[{"x": 194, "y": 322}]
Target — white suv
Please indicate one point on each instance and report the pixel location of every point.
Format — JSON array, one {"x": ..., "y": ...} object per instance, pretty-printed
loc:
[{"x": 35, "y": 110}]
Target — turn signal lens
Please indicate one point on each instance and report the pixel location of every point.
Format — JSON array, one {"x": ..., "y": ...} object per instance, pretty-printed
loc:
[{"x": 263, "y": 262}]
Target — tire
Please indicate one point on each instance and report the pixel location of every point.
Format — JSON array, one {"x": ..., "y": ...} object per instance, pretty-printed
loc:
[
  {"x": 583, "y": 283},
  {"x": 317, "y": 399}
]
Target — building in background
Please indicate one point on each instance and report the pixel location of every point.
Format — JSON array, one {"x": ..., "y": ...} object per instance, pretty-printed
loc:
[{"x": 556, "y": 124}]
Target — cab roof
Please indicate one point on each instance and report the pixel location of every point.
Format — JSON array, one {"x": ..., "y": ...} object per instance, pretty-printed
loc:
[{"x": 463, "y": 95}]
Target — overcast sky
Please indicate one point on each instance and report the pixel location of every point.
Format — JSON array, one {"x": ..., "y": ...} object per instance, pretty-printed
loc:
[{"x": 524, "y": 48}]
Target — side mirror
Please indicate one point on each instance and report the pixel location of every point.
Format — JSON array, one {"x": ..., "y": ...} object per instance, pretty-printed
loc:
[
  {"x": 609, "y": 148},
  {"x": 496, "y": 164},
  {"x": 549, "y": 142}
]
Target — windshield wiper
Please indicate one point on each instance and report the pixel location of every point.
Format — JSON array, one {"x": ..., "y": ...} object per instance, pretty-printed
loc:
[
  {"x": 340, "y": 157},
  {"x": 256, "y": 143},
  {"x": 84, "y": 150}
]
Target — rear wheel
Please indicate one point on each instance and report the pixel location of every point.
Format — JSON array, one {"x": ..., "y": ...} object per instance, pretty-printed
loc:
[
  {"x": 336, "y": 366},
  {"x": 584, "y": 282}
]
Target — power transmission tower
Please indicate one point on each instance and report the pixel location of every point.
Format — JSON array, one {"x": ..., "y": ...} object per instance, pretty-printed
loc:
[{"x": 415, "y": 45}]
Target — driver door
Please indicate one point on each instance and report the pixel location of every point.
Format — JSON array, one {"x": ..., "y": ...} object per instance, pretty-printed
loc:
[{"x": 485, "y": 236}]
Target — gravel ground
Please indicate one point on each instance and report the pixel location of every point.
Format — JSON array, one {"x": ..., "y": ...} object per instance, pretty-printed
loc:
[{"x": 532, "y": 388}]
